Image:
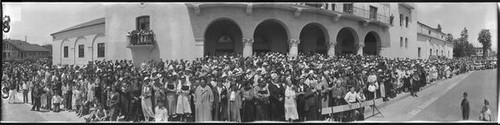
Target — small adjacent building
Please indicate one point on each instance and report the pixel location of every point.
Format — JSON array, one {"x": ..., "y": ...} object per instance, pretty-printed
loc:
[
  {"x": 431, "y": 42},
  {"x": 21, "y": 50}
]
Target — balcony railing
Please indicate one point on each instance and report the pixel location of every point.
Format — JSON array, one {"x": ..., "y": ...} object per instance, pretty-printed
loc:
[
  {"x": 141, "y": 37},
  {"x": 366, "y": 14},
  {"x": 350, "y": 9}
]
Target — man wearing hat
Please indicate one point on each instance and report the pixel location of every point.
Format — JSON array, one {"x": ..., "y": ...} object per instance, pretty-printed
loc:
[{"x": 277, "y": 93}]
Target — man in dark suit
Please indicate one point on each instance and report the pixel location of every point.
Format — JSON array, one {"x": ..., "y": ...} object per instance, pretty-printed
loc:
[
  {"x": 220, "y": 102},
  {"x": 277, "y": 93}
]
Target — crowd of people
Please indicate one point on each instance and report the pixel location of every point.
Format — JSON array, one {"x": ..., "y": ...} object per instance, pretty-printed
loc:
[{"x": 223, "y": 87}]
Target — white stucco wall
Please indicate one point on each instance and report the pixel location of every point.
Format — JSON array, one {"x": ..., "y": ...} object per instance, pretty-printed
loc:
[
  {"x": 169, "y": 21},
  {"x": 397, "y": 31},
  {"x": 84, "y": 36}
]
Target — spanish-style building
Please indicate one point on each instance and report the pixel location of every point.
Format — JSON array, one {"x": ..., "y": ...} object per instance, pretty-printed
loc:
[
  {"x": 155, "y": 31},
  {"x": 21, "y": 50},
  {"x": 432, "y": 42}
]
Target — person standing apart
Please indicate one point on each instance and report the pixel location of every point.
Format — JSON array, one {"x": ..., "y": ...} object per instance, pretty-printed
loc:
[
  {"x": 465, "y": 107},
  {"x": 485, "y": 114}
]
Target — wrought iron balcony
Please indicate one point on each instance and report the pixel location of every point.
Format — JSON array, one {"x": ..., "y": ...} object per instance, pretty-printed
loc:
[
  {"x": 372, "y": 16},
  {"x": 141, "y": 38},
  {"x": 354, "y": 12}
]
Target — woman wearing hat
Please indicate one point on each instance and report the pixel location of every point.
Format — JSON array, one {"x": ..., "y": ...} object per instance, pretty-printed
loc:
[
  {"x": 183, "y": 100},
  {"x": 171, "y": 95},
  {"x": 262, "y": 102},
  {"x": 146, "y": 102}
]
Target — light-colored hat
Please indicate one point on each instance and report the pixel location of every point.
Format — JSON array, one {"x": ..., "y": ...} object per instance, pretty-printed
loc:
[{"x": 146, "y": 78}]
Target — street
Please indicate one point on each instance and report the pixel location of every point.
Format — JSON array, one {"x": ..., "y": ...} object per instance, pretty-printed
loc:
[
  {"x": 441, "y": 101},
  {"x": 19, "y": 112}
]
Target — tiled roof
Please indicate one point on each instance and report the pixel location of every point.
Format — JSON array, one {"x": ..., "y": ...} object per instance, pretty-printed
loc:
[
  {"x": 86, "y": 24},
  {"x": 25, "y": 46}
]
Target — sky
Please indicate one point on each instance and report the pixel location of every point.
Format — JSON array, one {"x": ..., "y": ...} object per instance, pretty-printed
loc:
[
  {"x": 38, "y": 20},
  {"x": 453, "y": 17}
]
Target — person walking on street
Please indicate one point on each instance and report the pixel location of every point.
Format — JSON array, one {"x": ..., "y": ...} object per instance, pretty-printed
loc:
[{"x": 465, "y": 107}]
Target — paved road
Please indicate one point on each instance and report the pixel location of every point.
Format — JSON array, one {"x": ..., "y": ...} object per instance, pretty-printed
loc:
[
  {"x": 441, "y": 101},
  {"x": 19, "y": 112}
]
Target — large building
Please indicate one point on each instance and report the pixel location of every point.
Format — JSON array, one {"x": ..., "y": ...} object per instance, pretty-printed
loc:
[
  {"x": 21, "y": 50},
  {"x": 156, "y": 31}
]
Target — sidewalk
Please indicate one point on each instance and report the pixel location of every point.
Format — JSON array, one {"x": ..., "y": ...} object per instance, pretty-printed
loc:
[
  {"x": 379, "y": 103},
  {"x": 62, "y": 116}
]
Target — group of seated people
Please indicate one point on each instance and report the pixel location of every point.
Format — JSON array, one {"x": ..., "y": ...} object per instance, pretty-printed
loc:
[{"x": 228, "y": 87}]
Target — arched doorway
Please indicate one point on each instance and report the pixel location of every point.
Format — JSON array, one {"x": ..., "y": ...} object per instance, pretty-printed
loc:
[
  {"x": 346, "y": 42},
  {"x": 223, "y": 36},
  {"x": 313, "y": 38},
  {"x": 270, "y": 36},
  {"x": 372, "y": 44}
]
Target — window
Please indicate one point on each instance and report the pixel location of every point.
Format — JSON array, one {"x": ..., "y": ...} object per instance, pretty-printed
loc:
[
  {"x": 333, "y": 6},
  {"x": 430, "y": 52},
  {"x": 373, "y": 12},
  {"x": 400, "y": 41},
  {"x": 143, "y": 23},
  {"x": 401, "y": 19},
  {"x": 81, "y": 52},
  {"x": 100, "y": 50},
  {"x": 407, "y": 21},
  {"x": 429, "y": 32},
  {"x": 348, "y": 8},
  {"x": 419, "y": 52},
  {"x": 406, "y": 42},
  {"x": 8, "y": 54},
  {"x": 65, "y": 51}
]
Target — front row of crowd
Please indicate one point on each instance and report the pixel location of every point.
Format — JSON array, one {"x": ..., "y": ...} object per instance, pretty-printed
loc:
[{"x": 224, "y": 87}]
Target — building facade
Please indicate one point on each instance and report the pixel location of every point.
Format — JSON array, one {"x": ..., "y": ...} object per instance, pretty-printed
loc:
[
  {"x": 432, "y": 42},
  {"x": 143, "y": 31},
  {"x": 22, "y": 50}
]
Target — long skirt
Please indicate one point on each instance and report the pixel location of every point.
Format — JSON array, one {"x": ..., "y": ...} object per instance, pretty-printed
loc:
[
  {"x": 291, "y": 109},
  {"x": 183, "y": 105},
  {"x": 234, "y": 112},
  {"x": 248, "y": 111},
  {"x": 171, "y": 104},
  {"x": 73, "y": 102},
  {"x": 261, "y": 111},
  {"x": 147, "y": 108},
  {"x": 43, "y": 100}
]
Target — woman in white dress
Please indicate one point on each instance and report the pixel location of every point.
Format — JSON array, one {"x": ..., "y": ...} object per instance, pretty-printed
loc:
[
  {"x": 183, "y": 100},
  {"x": 146, "y": 101},
  {"x": 290, "y": 104}
]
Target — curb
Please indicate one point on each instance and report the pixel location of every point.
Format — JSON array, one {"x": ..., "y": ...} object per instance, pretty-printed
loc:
[{"x": 407, "y": 94}]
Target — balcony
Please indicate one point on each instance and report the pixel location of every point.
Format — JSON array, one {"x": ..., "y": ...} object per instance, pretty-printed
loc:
[
  {"x": 367, "y": 15},
  {"x": 407, "y": 5},
  {"x": 141, "y": 38}
]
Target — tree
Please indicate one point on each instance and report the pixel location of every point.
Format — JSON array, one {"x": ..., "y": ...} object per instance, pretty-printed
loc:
[
  {"x": 464, "y": 35},
  {"x": 449, "y": 37},
  {"x": 484, "y": 38}
]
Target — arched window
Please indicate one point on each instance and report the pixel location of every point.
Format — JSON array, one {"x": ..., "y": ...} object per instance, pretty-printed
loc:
[{"x": 142, "y": 23}]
